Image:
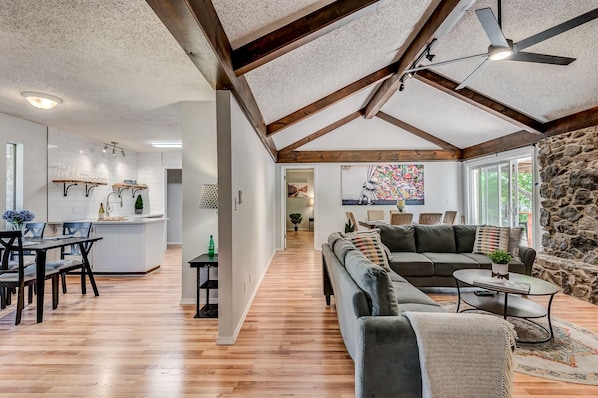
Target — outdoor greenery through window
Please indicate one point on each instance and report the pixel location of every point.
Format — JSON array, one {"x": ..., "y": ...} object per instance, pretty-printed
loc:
[{"x": 11, "y": 176}]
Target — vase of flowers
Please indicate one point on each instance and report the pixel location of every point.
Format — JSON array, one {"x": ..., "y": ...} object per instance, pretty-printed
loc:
[
  {"x": 401, "y": 205},
  {"x": 17, "y": 219}
]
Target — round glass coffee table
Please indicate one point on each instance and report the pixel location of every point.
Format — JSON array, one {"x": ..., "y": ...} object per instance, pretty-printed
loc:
[{"x": 503, "y": 300}]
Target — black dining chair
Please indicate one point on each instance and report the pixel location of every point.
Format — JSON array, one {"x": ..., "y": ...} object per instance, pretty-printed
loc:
[
  {"x": 70, "y": 256},
  {"x": 18, "y": 276}
]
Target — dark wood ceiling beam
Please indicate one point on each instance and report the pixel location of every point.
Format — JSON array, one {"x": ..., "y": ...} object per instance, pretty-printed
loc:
[
  {"x": 415, "y": 131},
  {"x": 197, "y": 29},
  {"x": 374, "y": 156},
  {"x": 482, "y": 102},
  {"x": 409, "y": 54},
  {"x": 321, "y": 132},
  {"x": 501, "y": 144},
  {"x": 300, "y": 32},
  {"x": 576, "y": 121},
  {"x": 329, "y": 100}
]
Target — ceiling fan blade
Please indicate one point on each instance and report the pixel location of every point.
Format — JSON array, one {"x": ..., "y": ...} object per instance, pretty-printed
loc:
[
  {"x": 450, "y": 61},
  {"x": 477, "y": 70},
  {"x": 540, "y": 58},
  {"x": 490, "y": 25},
  {"x": 556, "y": 30}
]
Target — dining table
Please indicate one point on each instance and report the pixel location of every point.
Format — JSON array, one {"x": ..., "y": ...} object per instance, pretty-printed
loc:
[
  {"x": 372, "y": 224},
  {"x": 41, "y": 246}
]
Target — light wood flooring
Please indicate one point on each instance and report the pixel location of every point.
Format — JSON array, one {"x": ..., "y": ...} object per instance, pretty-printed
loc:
[
  {"x": 135, "y": 340},
  {"x": 300, "y": 240}
]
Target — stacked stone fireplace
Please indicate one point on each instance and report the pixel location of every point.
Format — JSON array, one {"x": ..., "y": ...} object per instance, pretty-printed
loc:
[{"x": 569, "y": 212}]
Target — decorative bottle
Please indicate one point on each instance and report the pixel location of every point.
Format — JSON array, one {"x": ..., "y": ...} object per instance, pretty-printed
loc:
[
  {"x": 101, "y": 212},
  {"x": 211, "y": 247}
]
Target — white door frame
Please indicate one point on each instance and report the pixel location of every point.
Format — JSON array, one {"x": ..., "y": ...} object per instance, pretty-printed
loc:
[{"x": 283, "y": 204}]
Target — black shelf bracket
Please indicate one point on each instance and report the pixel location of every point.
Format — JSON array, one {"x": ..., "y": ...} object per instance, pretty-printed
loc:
[
  {"x": 65, "y": 188},
  {"x": 119, "y": 191},
  {"x": 88, "y": 189}
]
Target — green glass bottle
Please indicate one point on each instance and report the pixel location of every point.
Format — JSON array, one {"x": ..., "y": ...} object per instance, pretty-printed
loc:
[{"x": 211, "y": 247}]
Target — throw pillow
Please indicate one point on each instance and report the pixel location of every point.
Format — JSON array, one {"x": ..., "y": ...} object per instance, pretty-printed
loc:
[
  {"x": 489, "y": 239},
  {"x": 515, "y": 241},
  {"x": 371, "y": 246}
]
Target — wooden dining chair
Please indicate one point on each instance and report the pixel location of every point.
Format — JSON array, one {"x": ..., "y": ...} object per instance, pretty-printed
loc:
[
  {"x": 449, "y": 217},
  {"x": 401, "y": 218},
  {"x": 70, "y": 256},
  {"x": 375, "y": 215},
  {"x": 430, "y": 218},
  {"x": 20, "y": 276}
]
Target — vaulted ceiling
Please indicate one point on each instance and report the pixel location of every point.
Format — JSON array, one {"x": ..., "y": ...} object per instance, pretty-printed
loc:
[
  {"x": 324, "y": 81},
  {"x": 320, "y": 81}
]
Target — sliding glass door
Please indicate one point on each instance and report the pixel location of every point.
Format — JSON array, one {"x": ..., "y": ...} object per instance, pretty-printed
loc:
[{"x": 501, "y": 194}]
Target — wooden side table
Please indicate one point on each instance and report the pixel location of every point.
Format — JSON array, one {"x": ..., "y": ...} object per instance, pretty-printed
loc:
[{"x": 201, "y": 262}]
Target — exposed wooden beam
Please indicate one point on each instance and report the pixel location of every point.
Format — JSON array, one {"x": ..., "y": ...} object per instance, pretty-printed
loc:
[
  {"x": 501, "y": 144},
  {"x": 482, "y": 102},
  {"x": 366, "y": 156},
  {"x": 321, "y": 132},
  {"x": 300, "y": 32},
  {"x": 409, "y": 54},
  {"x": 329, "y": 100},
  {"x": 576, "y": 121},
  {"x": 196, "y": 27},
  {"x": 415, "y": 131}
]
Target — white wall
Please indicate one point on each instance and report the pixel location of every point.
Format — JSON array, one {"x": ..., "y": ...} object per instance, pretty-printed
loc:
[
  {"x": 443, "y": 190},
  {"x": 151, "y": 172},
  {"x": 34, "y": 138},
  {"x": 247, "y": 231}
]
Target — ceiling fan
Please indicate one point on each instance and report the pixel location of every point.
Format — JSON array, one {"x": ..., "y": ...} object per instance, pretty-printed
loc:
[{"x": 502, "y": 48}]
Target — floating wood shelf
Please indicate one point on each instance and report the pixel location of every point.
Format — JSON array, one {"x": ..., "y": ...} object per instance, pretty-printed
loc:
[
  {"x": 121, "y": 186},
  {"x": 89, "y": 185}
]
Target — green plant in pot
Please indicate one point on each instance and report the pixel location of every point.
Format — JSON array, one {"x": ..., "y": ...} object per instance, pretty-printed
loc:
[
  {"x": 296, "y": 219},
  {"x": 349, "y": 227},
  {"x": 139, "y": 205},
  {"x": 500, "y": 263}
]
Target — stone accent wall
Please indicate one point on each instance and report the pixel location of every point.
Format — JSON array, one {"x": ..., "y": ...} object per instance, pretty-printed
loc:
[{"x": 569, "y": 212}]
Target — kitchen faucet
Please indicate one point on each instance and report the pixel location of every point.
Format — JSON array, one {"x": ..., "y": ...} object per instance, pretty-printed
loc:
[{"x": 108, "y": 207}]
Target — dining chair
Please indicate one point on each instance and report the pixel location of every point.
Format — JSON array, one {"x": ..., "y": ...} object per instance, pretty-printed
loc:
[
  {"x": 20, "y": 276},
  {"x": 401, "y": 218},
  {"x": 375, "y": 215},
  {"x": 449, "y": 217},
  {"x": 430, "y": 218},
  {"x": 70, "y": 256}
]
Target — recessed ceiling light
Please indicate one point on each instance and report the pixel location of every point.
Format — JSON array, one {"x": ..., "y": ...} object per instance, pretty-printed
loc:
[
  {"x": 40, "y": 100},
  {"x": 166, "y": 144}
]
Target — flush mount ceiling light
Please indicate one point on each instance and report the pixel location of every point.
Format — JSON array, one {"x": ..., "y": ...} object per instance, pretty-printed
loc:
[
  {"x": 40, "y": 100},
  {"x": 166, "y": 144}
]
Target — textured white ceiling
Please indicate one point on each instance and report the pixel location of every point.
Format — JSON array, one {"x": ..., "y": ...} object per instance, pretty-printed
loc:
[
  {"x": 445, "y": 117},
  {"x": 246, "y": 20},
  {"x": 335, "y": 60},
  {"x": 118, "y": 70},
  {"x": 546, "y": 92}
]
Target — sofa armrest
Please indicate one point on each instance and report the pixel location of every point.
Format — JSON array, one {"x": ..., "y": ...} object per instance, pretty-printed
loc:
[
  {"x": 387, "y": 358},
  {"x": 326, "y": 284},
  {"x": 527, "y": 255}
]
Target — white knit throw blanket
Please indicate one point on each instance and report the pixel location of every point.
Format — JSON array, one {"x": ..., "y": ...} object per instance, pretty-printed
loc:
[{"x": 464, "y": 355}]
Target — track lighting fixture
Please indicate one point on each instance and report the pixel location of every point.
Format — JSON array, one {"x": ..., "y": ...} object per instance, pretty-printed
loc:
[
  {"x": 402, "y": 87},
  {"x": 114, "y": 147},
  {"x": 430, "y": 57}
]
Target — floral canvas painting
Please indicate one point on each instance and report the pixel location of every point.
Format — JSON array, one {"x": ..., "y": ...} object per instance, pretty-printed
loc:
[{"x": 382, "y": 184}]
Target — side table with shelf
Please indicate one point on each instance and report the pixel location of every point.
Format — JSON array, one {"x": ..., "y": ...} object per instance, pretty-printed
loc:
[{"x": 205, "y": 262}]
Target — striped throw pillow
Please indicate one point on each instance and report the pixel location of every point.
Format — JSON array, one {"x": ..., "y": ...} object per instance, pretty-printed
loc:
[
  {"x": 371, "y": 246},
  {"x": 489, "y": 239}
]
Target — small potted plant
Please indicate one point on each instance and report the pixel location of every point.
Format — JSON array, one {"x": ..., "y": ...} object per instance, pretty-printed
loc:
[
  {"x": 500, "y": 263},
  {"x": 139, "y": 205},
  {"x": 296, "y": 219},
  {"x": 349, "y": 227}
]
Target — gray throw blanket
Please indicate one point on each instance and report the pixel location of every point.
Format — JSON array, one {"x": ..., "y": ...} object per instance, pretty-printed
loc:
[{"x": 464, "y": 355}]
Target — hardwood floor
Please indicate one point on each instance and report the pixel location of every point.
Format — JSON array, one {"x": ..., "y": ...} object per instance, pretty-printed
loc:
[
  {"x": 135, "y": 340},
  {"x": 300, "y": 240}
]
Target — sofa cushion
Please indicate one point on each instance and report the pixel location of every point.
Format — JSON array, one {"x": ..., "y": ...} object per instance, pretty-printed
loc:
[
  {"x": 514, "y": 265},
  {"x": 407, "y": 293},
  {"x": 398, "y": 238},
  {"x": 515, "y": 241},
  {"x": 375, "y": 283},
  {"x": 490, "y": 238},
  {"x": 371, "y": 246},
  {"x": 464, "y": 237},
  {"x": 333, "y": 238},
  {"x": 342, "y": 247},
  {"x": 435, "y": 238},
  {"x": 411, "y": 264},
  {"x": 447, "y": 263}
]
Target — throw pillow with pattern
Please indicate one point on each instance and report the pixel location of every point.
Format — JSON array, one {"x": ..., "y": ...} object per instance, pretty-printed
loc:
[
  {"x": 489, "y": 239},
  {"x": 371, "y": 246}
]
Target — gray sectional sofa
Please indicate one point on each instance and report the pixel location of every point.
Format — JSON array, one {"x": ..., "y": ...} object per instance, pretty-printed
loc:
[
  {"x": 427, "y": 255},
  {"x": 370, "y": 303}
]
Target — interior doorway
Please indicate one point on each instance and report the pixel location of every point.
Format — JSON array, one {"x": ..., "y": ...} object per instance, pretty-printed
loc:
[
  {"x": 300, "y": 222},
  {"x": 174, "y": 206}
]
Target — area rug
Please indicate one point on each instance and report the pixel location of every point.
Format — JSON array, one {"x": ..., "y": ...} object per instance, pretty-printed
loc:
[{"x": 571, "y": 356}]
